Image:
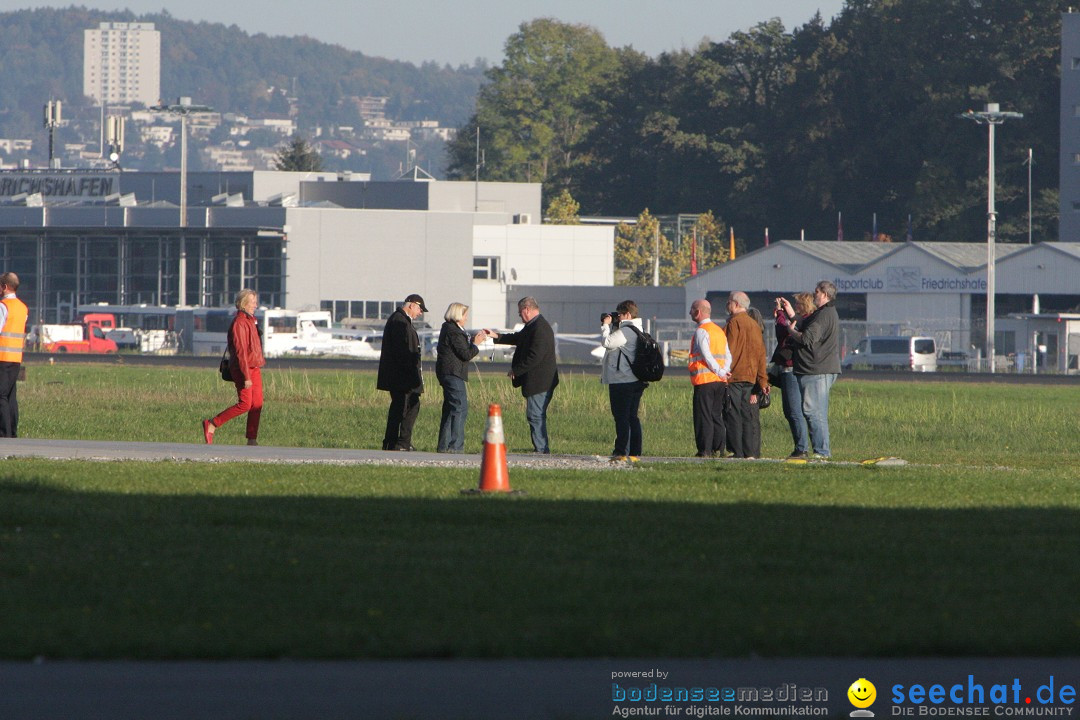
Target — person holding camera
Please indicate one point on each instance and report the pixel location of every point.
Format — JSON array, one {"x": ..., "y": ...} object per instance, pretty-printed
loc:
[
  {"x": 783, "y": 358},
  {"x": 816, "y": 363},
  {"x": 620, "y": 343}
]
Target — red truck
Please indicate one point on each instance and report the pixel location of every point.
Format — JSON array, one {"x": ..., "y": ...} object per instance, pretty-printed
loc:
[{"x": 93, "y": 328}]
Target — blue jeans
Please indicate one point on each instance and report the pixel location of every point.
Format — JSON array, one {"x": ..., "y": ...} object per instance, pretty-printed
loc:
[
  {"x": 815, "y": 406},
  {"x": 793, "y": 411},
  {"x": 625, "y": 400},
  {"x": 536, "y": 413},
  {"x": 455, "y": 409}
]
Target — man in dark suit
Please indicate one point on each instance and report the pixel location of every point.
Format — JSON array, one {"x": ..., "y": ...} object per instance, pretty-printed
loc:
[
  {"x": 533, "y": 368},
  {"x": 399, "y": 373}
]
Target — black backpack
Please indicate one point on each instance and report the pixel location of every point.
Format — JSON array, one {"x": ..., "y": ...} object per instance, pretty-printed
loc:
[{"x": 648, "y": 362}]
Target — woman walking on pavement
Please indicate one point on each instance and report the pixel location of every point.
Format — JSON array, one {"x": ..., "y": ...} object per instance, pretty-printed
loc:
[{"x": 245, "y": 363}]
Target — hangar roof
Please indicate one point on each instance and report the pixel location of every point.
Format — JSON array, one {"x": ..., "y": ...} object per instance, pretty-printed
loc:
[
  {"x": 855, "y": 256},
  {"x": 851, "y": 256}
]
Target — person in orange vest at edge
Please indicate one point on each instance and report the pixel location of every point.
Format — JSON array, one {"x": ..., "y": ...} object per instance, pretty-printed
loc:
[
  {"x": 13, "y": 315},
  {"x": 710, "y": 368}
]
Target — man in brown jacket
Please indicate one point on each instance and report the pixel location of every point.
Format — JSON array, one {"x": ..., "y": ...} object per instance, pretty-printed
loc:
[{"x": 747, "y": 346}]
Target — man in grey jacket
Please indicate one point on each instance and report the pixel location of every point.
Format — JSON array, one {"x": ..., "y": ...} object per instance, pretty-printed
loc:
[{"x": 816, "y": 363}]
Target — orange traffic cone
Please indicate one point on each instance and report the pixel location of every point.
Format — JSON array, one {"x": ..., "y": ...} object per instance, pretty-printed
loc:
[{"x": 494, "y": 475}]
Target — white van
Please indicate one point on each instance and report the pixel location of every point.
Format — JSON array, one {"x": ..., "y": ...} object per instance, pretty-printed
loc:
[{"x": 918, "y": 354}]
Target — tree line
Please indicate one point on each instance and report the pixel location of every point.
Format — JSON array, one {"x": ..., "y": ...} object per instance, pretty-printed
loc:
[{"x": 789, "y": 130}]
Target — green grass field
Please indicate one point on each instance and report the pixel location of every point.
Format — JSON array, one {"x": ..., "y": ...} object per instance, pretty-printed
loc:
[{"x": 968, "y": 551}]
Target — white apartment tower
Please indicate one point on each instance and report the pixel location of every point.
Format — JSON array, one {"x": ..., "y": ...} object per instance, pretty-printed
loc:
[{"x": 122, "y": 63}]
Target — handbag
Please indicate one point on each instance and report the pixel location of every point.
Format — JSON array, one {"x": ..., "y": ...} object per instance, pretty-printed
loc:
[
  {"x": 223, "y": 367},
  {"x": 764, "y": 399}
]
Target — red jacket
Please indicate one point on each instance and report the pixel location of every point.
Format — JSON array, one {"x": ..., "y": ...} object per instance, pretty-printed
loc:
[{"x": 245, "y": 347}]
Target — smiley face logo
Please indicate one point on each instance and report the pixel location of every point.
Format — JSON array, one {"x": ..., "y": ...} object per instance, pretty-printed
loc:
[{"x": 862, "y": 693}]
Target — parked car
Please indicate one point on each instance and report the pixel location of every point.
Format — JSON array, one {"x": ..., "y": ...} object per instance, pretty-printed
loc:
[
  {"x": 918, "y": 354},
  {"x": 954, "y": 359}
]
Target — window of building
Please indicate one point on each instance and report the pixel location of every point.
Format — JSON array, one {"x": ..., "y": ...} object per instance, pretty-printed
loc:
[
  {"x": 1076, "y": 63},
  {"x": 1004, "y": 342},
  {"x": 485, "y": 268}
]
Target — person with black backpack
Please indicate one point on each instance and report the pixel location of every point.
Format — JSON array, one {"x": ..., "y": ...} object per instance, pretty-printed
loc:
[{"x": 622, "y": 338}]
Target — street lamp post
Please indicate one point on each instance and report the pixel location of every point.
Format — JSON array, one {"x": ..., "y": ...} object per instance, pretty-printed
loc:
[
  {"x": 991, "y": 117},
  {"x": 183, "y": 108}
]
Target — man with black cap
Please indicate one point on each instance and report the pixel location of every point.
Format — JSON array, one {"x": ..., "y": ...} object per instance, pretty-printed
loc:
[{"x": 399, "y": 373}]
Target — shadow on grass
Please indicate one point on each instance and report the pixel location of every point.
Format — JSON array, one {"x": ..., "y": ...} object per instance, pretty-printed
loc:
[{"x": 98, "y": 575}]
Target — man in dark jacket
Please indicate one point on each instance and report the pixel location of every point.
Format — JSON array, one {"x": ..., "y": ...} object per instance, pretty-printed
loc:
[
  {"x": 816, "y": 363},
  {"x": 533, "y": 368},
  {"x": 399, "y": 373}
]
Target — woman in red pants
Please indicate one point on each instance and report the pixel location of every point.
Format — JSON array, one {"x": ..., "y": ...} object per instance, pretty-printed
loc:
[{"x": 245, "y": 362}]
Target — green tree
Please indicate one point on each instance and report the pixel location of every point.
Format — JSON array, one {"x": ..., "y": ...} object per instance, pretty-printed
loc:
[
  {"x": 636, "y": 247},
  {"x": 298, "y": 155},
  {"x": 564, "y": 210},
  {"x": 785, "y": 130},
  {"x": 531, "y": 111},
  {"x": 635, "y": 250}
]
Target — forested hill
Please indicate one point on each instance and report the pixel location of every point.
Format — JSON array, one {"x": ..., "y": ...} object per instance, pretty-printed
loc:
[{"x": 41, "y": 58}]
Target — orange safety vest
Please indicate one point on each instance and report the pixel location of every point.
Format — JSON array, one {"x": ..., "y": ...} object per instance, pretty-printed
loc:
[
  {"x": 699, "y": 371},
  {"x": 13, "y": 334}
]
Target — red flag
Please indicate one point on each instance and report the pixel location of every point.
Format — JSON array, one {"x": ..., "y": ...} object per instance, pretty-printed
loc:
[
  {"x": 766, "y": 237},
  {"x": 693, "y": 255}
]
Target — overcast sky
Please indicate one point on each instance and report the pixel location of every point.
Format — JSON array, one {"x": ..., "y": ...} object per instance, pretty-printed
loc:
[{"x": 460, "y": 31}]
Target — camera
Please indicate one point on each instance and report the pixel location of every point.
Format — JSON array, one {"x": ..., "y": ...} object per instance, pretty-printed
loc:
[{"x": 614, "y": 319}]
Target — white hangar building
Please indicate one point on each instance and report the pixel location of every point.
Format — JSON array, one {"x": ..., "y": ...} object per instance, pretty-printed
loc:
[
  {"x": 913, "y": 288},
  {"x": 301, "y": 240}
]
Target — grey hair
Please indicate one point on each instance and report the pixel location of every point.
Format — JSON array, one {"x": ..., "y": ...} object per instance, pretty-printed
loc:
[
  {"x": 242, "y": 296},
  {"x": 828, "y": 288}
]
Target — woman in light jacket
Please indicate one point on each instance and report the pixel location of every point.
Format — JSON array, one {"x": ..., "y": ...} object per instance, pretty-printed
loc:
[
  {"x": 624, "y": 389},
  {"x": 454, "y": 352},
  {"x": 245, "y": 364}
]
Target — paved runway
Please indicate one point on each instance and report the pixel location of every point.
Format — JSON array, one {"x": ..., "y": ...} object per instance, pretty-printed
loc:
[{"x": 196, "y": 452}]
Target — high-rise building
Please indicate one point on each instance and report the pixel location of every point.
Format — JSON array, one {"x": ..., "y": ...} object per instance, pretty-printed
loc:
[{"x": 122, "y": 63}]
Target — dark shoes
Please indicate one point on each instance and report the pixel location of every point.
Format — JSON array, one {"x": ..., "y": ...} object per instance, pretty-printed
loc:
[
  {"x": 797, "y": 456},
  {"x": 405, "y": 448},
  {"x": 208, "y": 434}
]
